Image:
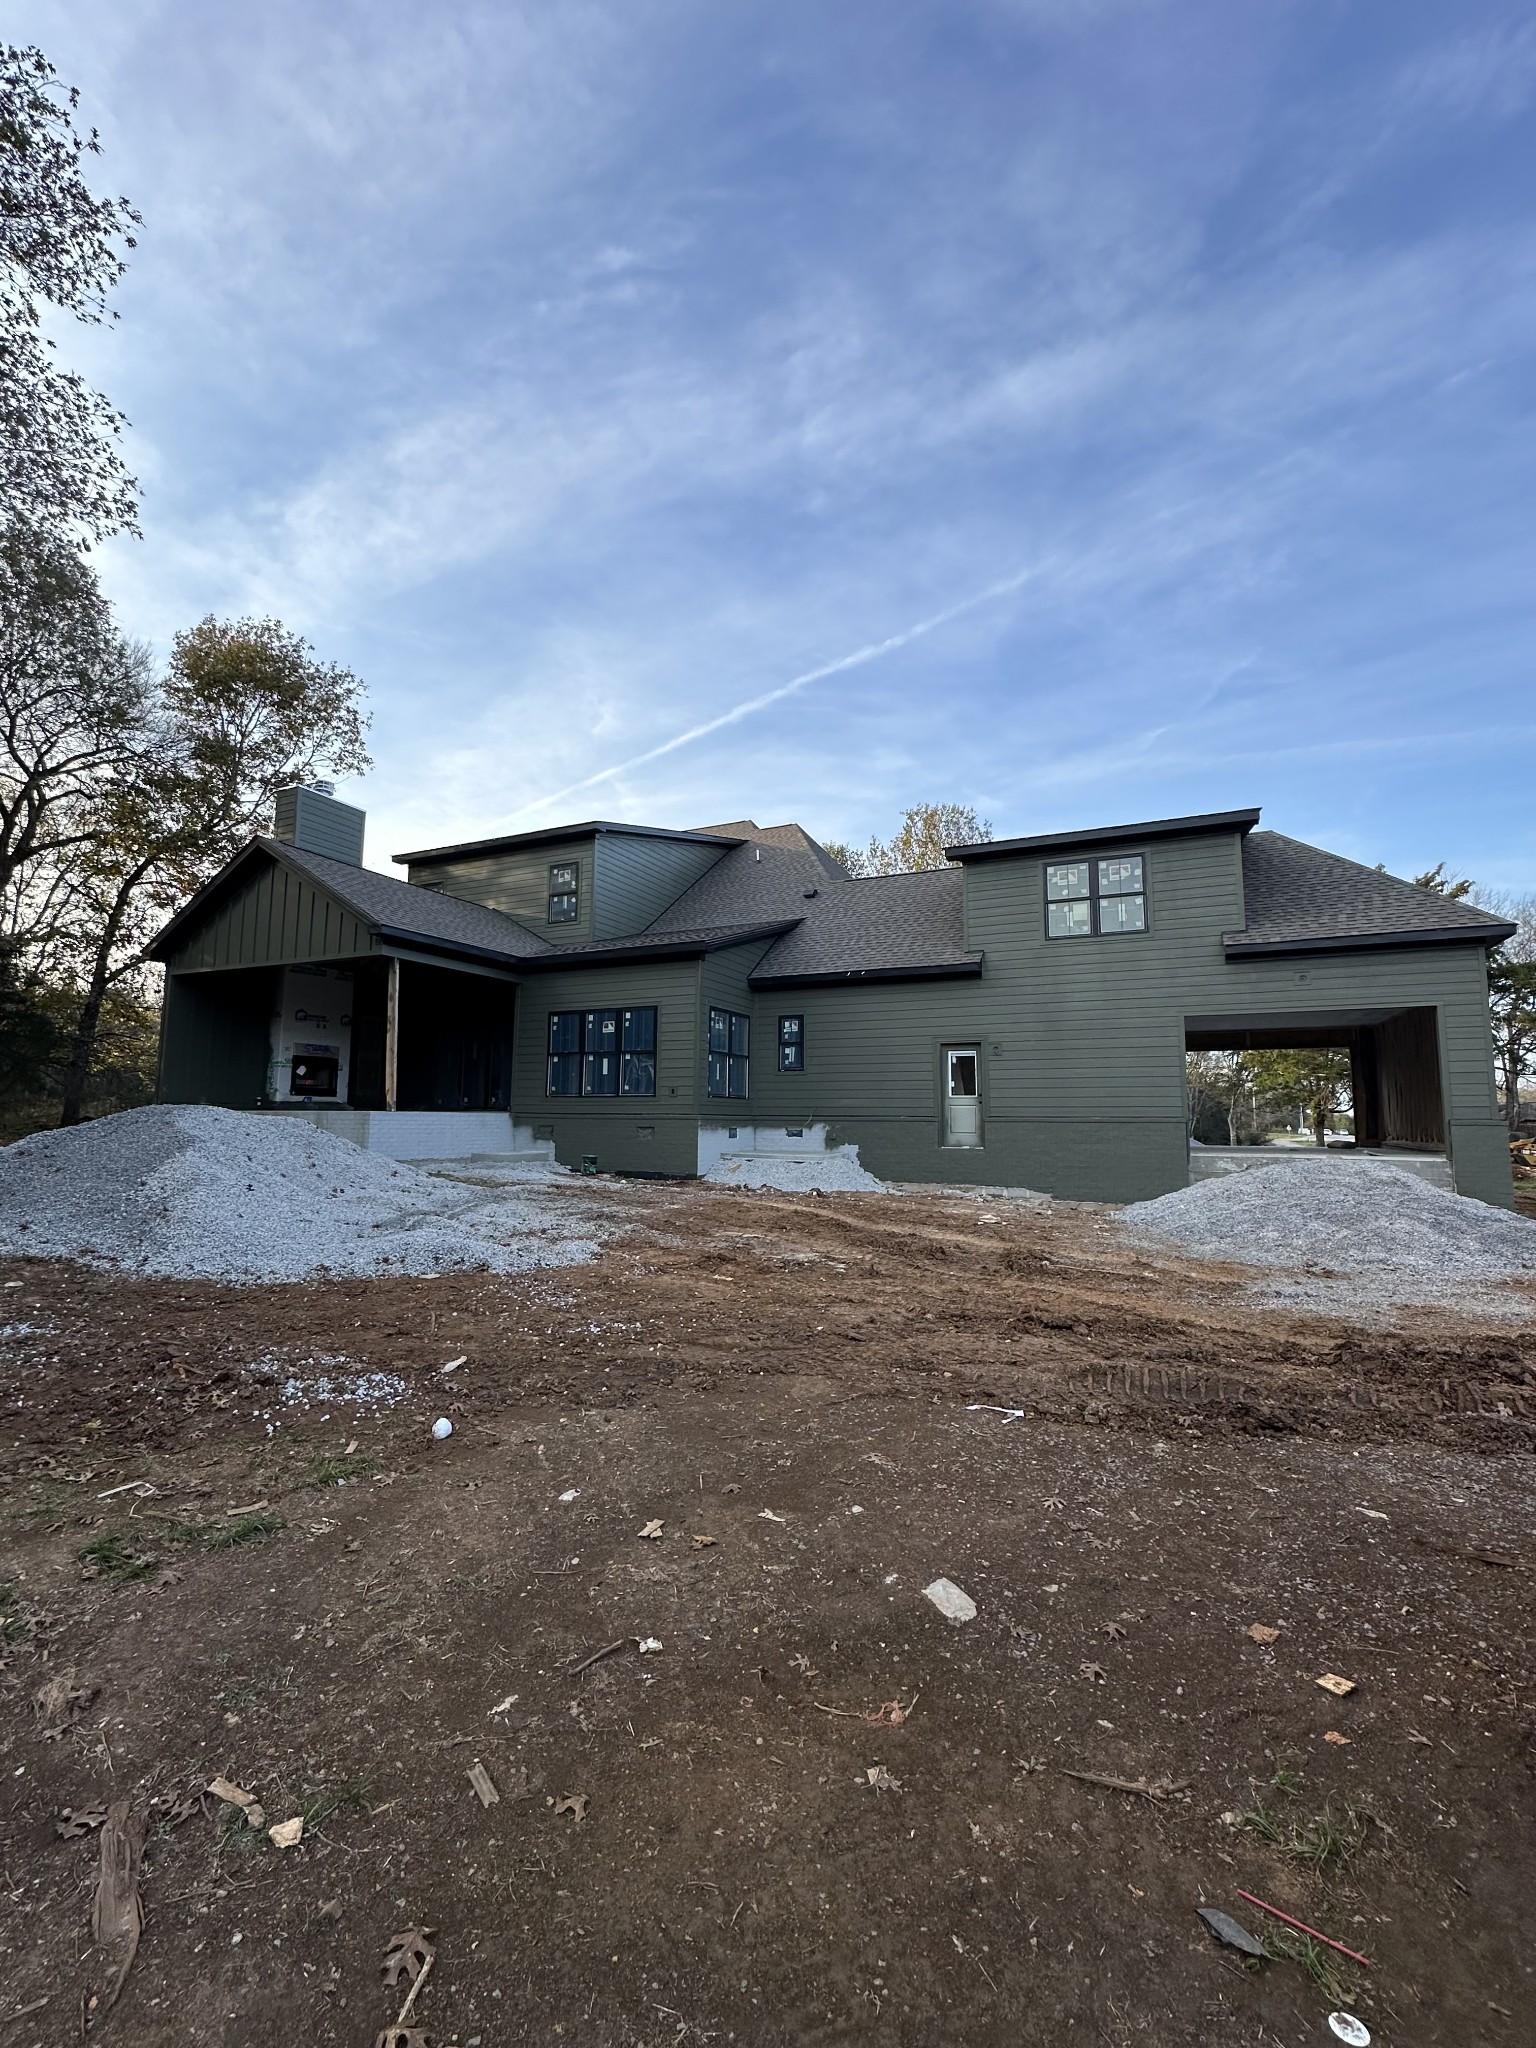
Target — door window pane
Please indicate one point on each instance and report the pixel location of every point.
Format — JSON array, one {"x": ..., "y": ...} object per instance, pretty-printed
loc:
[{"x": 962, "y": 1073}]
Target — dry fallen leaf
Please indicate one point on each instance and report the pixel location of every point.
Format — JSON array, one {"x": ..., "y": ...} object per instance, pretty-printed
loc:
[
  {"x": 878, "y": 1776},
  {"x": 652, "y": 1530},
  {"x": 704, "y": 1542},
  {"x": 574, "y": 1803},
  {"x": 1339, "y": 1687},
  {"x": 1094, "y": 1673},
  {"x": 1261, "y": 1632},
  {"x": 408, "y": 1954},
  {"x": 800, "y": 1662},
  {"x": 401, "y": 2037},
  {"x": 60, "y": 1702},
  {"x": 75, "y": 1821},
  {"x": 1113, "y": 1630},
  {"x": 1339, "y": 1741}
]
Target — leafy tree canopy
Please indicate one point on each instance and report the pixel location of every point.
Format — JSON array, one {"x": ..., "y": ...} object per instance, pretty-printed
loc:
[
  {"x": 918, "y": 843},
  {"x": 60, "y": 246}
]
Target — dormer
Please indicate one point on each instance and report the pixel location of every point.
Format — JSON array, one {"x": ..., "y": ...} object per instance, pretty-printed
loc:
[{"x": 573, "y": 883}]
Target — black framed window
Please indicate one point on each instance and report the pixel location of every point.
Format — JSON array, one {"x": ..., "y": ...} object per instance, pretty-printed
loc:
[
  {"x": 1104, "y": 896},
  {"x": 729, "y": 1045},
  {"x": 791, "y": 1045},
  {"x": 564, "y": 892},
  {"x": 602, "y": 1052}
]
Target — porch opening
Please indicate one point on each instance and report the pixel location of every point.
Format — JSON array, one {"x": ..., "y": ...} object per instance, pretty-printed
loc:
[{"x": 1361, "y": 1081}]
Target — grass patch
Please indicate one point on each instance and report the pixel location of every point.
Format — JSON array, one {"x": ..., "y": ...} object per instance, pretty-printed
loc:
[
  {"x": 245, "y": 1529},
  {"x": 110, "y": 1557},
  {"x": 1329, "y": 1972},
  {"x": 1332, "y": 1835},
  {"x": 353, "y": 1797},
  {"x": 326, "y": 1468}
]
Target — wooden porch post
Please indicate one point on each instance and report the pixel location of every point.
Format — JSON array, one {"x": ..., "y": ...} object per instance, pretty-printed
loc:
[{"x": 392, "y": 1038}]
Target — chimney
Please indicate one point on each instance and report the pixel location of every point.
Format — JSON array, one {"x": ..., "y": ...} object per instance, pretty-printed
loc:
[{"x": 309, "y": 817}]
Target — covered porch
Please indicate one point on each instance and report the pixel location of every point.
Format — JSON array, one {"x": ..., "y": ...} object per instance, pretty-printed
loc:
[{"x": 1397, "y": 1097}]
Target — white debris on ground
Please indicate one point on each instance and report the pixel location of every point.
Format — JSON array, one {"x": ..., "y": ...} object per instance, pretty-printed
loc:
[
  {"x": 1353, "y": 1236},
  {"x": 836, "y": 1171},
  {"x": 195, "y": 1192}
]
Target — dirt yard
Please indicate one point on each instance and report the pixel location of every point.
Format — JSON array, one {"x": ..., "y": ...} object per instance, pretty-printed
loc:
[{"x": 664, "y": 1585}]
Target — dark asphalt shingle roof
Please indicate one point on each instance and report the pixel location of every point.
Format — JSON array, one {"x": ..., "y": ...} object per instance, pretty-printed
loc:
[
  {"x": 879, "y": 925},
  {"x": 1295, "y": 894},
  {"x": 407, "y": 908},
  {"x": 702, "y": 939}
]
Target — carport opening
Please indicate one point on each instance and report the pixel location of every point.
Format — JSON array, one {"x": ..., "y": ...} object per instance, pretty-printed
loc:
[{"x": 1367, "y": 1081}]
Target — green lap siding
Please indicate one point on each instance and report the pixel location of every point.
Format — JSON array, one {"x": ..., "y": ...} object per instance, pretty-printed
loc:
[
  {"x": 517, "y": 882},
  {"x": 638, "y": 878},
  {"x": 613, "y": 1128}
]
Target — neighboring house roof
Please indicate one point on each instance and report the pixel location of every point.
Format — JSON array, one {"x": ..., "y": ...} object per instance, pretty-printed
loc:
[
  {"x": 1298, "y": 898},
  {"x": 1110, "y": 835},
  {"x": 876, "y": 927},
  {"x": 793, "y": 838},
  {"x": 549, "y": 835},
  {"x": 392, "y": 909}
]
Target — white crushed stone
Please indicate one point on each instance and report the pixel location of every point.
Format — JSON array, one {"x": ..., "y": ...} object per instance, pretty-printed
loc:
[
  {"x": 195, "y": 1192},
  {"x": 1355, "y": 1236},
  {"x": 835, "y": 1171}
]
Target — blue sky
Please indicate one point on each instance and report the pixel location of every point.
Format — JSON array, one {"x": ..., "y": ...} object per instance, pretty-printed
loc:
[{"x": 1115, "y": 407}]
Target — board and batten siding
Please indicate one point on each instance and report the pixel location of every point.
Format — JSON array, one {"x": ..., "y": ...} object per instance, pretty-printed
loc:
[
  {"x": 517, "y": 883},
  {"x": 638, "y": 878},
  {"x": 625, "y": 1133},
  {"x": 215, "y": 1037},
  {"x": 274, "y": 917}
]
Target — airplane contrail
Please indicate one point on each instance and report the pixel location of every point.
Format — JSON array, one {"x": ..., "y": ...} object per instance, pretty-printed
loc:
[{"x": 858, "y": 659}]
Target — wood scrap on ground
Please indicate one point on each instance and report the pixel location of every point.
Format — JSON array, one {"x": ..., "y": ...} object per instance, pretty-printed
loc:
[{"x": 117, "y": 1912}]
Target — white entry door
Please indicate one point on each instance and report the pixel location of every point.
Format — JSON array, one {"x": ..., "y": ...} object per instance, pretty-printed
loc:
[{"x": 962, "y": 1095}]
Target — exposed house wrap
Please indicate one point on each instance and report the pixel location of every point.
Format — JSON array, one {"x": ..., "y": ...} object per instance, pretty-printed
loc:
[{"x": 646, "y": 999}]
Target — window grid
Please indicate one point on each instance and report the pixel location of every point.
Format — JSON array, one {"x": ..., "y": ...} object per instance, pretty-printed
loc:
[
  {"x": 1107, "y": 897},
  {"x": 602, "y": 1052},
  {"x": 564, "y": 892},
  {"x": 729, "y": 1044}
]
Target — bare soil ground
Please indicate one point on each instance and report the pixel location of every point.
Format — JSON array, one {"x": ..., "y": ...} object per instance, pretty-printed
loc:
[{"x": 343, "y": 1616}]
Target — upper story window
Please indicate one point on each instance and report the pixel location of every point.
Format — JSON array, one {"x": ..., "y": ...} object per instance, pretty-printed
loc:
[
  {"x": 791, "y": 1045},
  {"x": 729, "y": 1037},
  {"x": 564, "y": 886},
  {"x": 602, "y": 1052},
  {"x": 1087, "y": 896}
]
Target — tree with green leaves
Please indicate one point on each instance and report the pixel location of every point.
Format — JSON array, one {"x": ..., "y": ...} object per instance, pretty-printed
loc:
[
  {"x": 1512, "y": 998},
  {"x": 1313, "y": 1081},
  {"x": 61, "y": 247},
  {"x": 245, "y": 709},
  {"x": 917, "y": 844}
]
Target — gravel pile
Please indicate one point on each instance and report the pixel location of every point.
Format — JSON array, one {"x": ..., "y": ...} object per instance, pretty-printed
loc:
[
  {"x": 837, "y": 1170},
  {"x": 224, "y": 1195},
  {"x": 1355, "y": 1236}
]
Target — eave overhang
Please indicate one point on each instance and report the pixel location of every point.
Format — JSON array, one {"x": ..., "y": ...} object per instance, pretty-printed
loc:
[{"x": 1237, "y": 946}]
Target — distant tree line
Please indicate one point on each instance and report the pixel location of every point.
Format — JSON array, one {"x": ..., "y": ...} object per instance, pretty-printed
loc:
[
  {"x": 918, "y": 843},
  {"x": 124, "y": 782}
]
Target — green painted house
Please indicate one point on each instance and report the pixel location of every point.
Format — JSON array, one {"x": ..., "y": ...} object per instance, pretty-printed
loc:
[{"x": 647, "y": 1000}]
